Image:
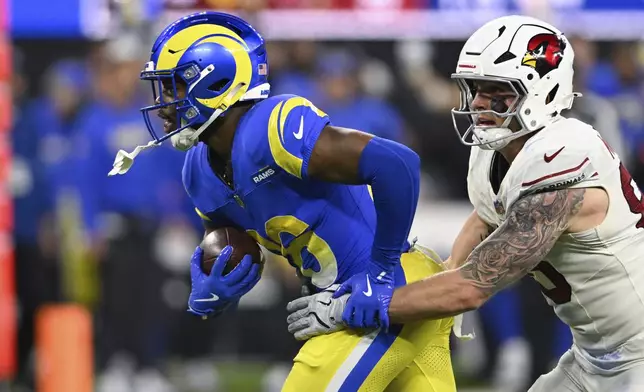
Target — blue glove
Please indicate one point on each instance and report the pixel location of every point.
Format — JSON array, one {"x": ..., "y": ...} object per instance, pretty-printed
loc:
[
  {"x": 371, "y": 292},
  {"x": 212, "y": 294}
]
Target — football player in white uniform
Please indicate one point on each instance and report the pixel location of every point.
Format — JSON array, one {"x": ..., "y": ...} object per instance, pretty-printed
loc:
[{"x": 551, "y": 200}]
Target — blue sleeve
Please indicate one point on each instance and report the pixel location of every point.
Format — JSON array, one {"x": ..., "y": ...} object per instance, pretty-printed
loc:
[
  {"x": 293, "y": 129},
  {"x": 393, "y": 171}
]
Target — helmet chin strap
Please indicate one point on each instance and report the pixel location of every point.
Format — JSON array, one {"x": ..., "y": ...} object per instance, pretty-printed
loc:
[
  {"x": 183, "y": 140},
  {"x": 493, "y": 138},
  {"x": 189, "y": 137},
  {"x": 497, "y": 138}
]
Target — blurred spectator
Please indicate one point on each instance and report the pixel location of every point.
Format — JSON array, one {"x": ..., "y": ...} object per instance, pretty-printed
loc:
[
  {"x": 41, "y": 170},
  {"x": 331, "y": 81},
  {"x": 591, "y": 108},
  {"x": 619, "y": 79},
  {"x": 345, "y": 103},
  {"x": 428, "y": 98},
  {"x": 35, "y": 264},
  {"x": 293, "y": 68},
  {"x": 139, "y": 225}
]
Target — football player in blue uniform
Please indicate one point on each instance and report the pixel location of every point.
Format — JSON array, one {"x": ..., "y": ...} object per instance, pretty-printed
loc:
[{"x": 276, "y": 168}]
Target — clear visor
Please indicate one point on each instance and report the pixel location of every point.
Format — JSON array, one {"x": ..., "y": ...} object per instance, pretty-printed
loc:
[{"x": 466, "y": 118}]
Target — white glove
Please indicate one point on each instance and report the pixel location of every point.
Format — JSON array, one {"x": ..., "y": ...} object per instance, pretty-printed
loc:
[{"x": 317, "y": 314}]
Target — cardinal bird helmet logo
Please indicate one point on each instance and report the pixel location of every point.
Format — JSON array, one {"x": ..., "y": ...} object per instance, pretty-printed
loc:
[{"x": 545, "y": 52}]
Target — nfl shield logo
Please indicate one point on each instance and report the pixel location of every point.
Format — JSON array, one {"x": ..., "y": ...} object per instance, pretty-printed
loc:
[
  {"x": 498, "y": 207},
  {"x": 262, "y": 69}
]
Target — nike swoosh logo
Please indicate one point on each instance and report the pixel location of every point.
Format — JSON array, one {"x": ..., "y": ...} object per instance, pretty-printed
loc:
[
  {"x": 368, "y": 292},
  {"x": 549, "y": 158},
  {"x": 325, "y": 303},
  {"x": 300, "y": 132},
  {"x": 211, "y": 299}
]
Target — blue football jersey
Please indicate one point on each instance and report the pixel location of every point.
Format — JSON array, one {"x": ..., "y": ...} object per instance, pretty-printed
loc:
[{"x": 324, "y": 229}]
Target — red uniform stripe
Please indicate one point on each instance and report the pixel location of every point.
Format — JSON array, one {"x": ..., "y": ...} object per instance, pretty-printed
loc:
[{"x": 559, "y": 173}]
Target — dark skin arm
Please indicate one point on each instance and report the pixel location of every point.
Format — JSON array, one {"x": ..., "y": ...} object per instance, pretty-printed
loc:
[
  {"x": 533, "y": 225},
  {"x": 336, "y": 155}
]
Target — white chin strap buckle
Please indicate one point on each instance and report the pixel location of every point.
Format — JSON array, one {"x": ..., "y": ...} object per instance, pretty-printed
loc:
[
  {"x": 124, "y": 160},
  {"x": 183, "y": 141}
]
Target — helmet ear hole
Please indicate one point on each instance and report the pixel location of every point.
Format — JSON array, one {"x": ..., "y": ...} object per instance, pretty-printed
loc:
[
  {"x": 551, "y": 95},
  {"x": 219, "y": 85},
  {"x": 506, "y": 56}
]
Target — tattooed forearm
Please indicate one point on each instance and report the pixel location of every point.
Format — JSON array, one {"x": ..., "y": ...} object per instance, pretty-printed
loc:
[{"x": 533, "y": 225}]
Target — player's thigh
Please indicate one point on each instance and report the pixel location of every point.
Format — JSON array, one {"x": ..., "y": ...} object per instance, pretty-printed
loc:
[
  {"x": 353, "y": 361},
  {"x": 425, "y": 342},
  {"x": 420, "y": 263},
  {"x": 431, "y": 371},
  {"x": 350, "y": 361},
  {"x": 423, "y": 345},
  {"x": 347, "y": 361},
  {"x": 566, "y": 377}
]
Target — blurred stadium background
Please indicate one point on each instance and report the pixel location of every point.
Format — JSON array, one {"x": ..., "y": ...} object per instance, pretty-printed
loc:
[{"x": 94, "y": 271}]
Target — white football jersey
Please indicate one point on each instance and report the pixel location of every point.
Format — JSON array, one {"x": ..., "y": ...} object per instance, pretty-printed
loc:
[{"x": 594, "y": 279}]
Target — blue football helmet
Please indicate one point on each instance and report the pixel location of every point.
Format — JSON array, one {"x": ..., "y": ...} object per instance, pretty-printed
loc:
[{"x": 220, "y": 58}]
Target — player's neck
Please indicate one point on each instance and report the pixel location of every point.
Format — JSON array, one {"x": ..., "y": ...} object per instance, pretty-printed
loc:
[
  {"x": 511, "y": 151},
  {"x": 221, "y": 142}
]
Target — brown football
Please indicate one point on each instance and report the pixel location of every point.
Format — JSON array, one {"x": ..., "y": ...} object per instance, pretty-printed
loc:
[{"x": 217, "y": 240}]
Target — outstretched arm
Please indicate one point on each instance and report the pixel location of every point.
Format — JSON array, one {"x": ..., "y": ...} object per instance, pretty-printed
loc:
[{"x": 533, "y": 225}]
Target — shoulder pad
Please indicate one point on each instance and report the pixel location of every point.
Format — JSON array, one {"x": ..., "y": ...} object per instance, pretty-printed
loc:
[
  {"x": 283, "y": 130},
  {"x": 545, "y": 166}
]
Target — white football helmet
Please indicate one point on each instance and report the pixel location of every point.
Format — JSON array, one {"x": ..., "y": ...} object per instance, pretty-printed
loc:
[{"x": 533, "y": 58}]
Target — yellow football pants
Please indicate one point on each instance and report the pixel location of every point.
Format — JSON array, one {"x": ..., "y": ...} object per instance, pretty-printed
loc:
[{"x": 410, "y": 358}]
